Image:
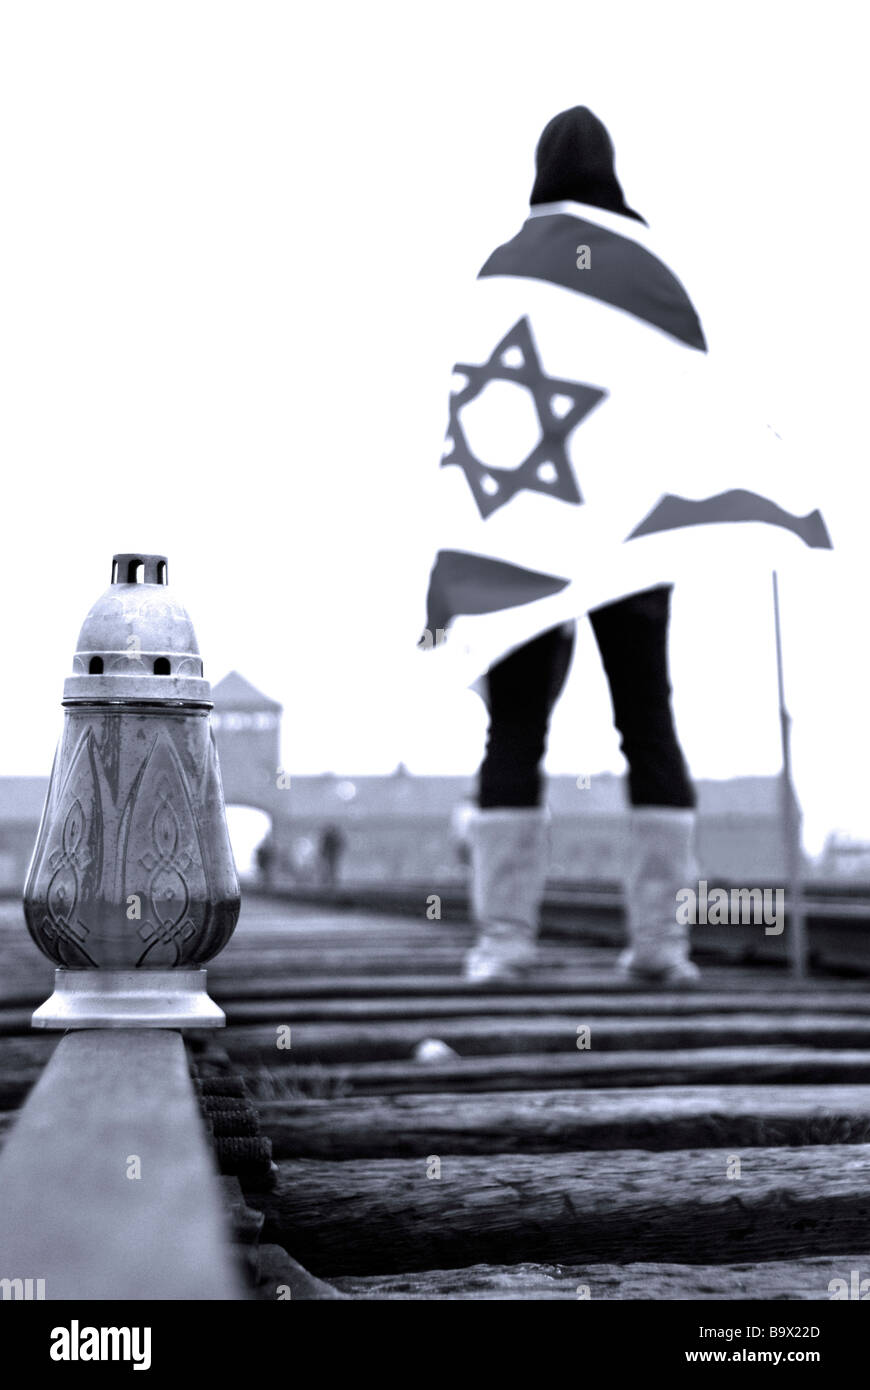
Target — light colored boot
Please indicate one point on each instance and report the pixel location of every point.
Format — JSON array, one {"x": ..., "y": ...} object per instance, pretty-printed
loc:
[
  {"x": 509, "y": 854},
  {"x": 660, "y": 862}
]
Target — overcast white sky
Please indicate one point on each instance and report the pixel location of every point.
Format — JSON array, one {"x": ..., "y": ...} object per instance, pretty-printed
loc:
[{"x": 232, "y": 242}]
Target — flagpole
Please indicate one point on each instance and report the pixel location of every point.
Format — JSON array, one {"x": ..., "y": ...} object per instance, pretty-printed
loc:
[{"x": 791, "y": 816}]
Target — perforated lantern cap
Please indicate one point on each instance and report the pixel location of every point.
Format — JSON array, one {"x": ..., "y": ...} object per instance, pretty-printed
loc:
[{"x": 137, "y": 643}]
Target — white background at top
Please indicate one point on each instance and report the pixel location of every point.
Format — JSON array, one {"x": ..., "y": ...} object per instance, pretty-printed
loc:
[{"x": 233, "y": 237}]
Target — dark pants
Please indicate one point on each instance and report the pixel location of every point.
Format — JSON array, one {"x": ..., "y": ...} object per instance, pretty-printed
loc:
[{"x": 632, "y": 637}]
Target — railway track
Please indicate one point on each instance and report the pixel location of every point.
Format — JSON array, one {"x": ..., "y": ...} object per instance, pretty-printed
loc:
[
  {"x": 837, "y": 918},
  {"x": 387, "y": 1131}
]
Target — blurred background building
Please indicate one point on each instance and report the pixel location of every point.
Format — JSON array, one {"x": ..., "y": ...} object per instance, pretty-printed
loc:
[{"x": 398, "y": 828}]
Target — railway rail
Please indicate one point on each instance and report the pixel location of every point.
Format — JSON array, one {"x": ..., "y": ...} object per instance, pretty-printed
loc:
[{"x": 386, "y": 1131}]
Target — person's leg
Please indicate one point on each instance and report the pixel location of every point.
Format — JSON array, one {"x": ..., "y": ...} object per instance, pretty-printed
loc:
[
  {"x": 522, "y": 691},
  {"x": 508, "y": 833},
  {"x": 632, "y": 638}
]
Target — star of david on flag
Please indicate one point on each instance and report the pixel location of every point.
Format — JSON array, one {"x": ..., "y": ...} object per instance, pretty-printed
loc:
[{"x": 560, "y": 406}]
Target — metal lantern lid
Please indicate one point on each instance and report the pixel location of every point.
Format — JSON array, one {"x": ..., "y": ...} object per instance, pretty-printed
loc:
[{"x": 137, "y": 642}]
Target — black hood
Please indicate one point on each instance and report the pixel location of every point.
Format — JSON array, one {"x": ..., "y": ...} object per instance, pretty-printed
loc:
[{"x": 574, "y": 162}]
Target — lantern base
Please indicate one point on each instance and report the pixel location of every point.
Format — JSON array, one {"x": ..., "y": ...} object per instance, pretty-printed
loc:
[{"x": 129, "y": 999}]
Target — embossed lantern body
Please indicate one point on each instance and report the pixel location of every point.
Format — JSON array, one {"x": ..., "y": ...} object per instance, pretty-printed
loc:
[{"x": 132, "y": 885}]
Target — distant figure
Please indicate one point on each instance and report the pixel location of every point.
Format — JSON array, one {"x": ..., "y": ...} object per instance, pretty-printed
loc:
[
  {"x": 265, "y": 857},
  {"x": 330, "y": 850}
]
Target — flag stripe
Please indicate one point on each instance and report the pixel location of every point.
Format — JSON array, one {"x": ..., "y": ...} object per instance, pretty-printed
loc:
[
  {"x": 673, "y": 512},
  {"x": 620, "y": 272},
  {"x": 464, "y": 583}
]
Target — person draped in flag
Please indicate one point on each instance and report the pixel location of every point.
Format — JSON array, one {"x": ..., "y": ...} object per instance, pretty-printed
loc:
[{"x": 611, "y": 490}]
